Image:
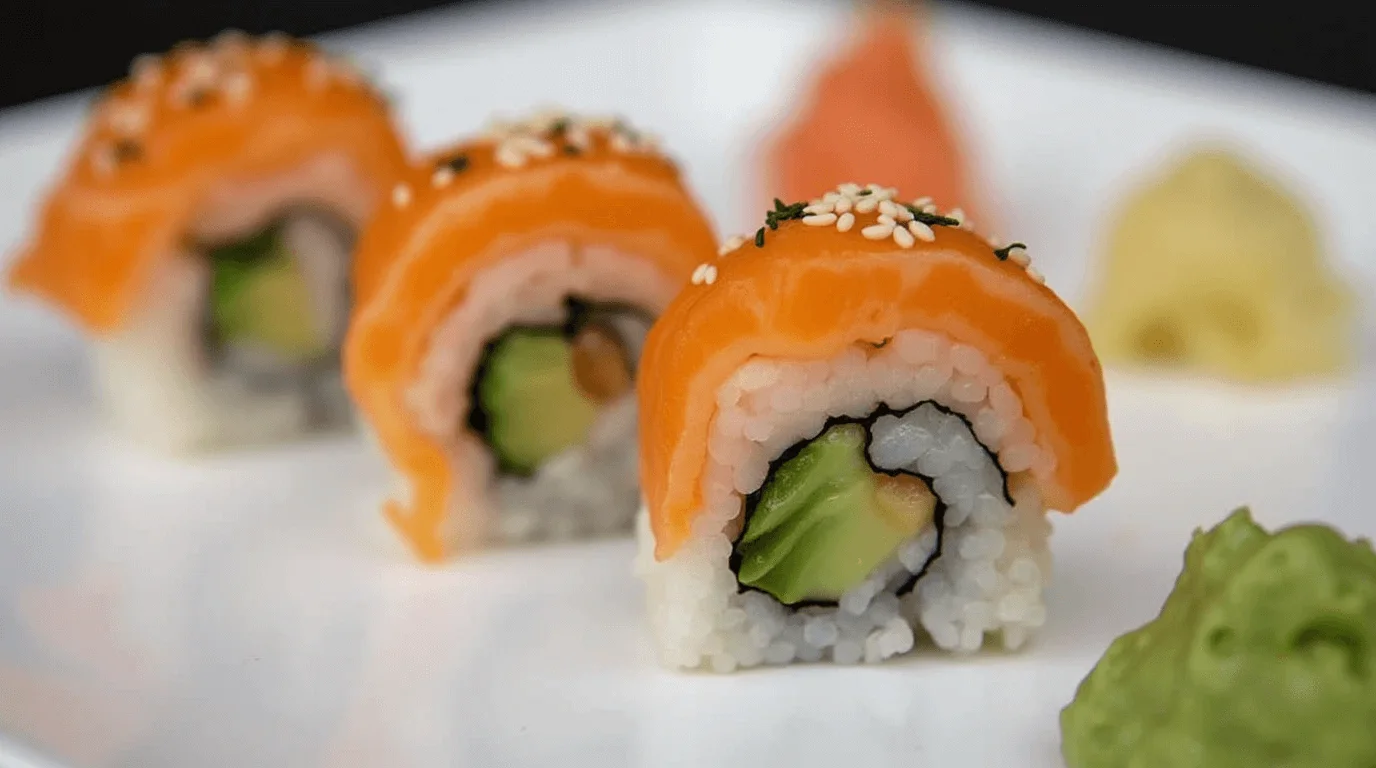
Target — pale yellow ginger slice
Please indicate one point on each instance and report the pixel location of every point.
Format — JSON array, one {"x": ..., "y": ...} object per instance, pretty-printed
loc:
[{"x": 1214, "y": 268}]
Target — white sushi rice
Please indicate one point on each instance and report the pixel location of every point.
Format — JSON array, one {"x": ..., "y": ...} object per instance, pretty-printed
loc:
[
  {"x": 994, "y": 561},
  {"x": 590, "y": 489}
]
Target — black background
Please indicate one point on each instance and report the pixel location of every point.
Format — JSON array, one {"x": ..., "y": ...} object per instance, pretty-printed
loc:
[{"x": 49, "y": 47}]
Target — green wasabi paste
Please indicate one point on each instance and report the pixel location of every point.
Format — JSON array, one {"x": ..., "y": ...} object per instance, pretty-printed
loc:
[{"x": 1264, "y": 656}]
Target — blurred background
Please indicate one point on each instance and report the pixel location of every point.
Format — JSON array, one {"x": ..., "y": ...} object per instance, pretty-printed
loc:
[
  {"x": 48, "y": 48},
  {"x": 178, "y": 610}
]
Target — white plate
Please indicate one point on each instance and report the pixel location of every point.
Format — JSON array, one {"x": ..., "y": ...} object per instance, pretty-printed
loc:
[{"x": 248, "y": 609}]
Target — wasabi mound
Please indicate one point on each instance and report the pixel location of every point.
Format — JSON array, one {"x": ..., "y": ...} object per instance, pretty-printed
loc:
[
  {"x": 1215, "y": 269},
  {"x": 1263, "y": 655}
]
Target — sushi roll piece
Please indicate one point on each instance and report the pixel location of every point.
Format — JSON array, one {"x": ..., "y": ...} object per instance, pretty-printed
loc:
[
  {"x": 202, "y": 233},
  {"x": 503, "y": 297},
  {"x": 851, "y": 429}
]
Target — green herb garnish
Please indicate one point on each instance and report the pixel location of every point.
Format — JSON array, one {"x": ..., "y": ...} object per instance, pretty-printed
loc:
[
  {"x": 931, "y": 219},
  {"x": 620, "y": 126},
  {"x": 127, "y": 150},
  {"x": 780, "y": 213},
  {"x": 457, "y": 164},
  {"x": 1002, "y": 253}
]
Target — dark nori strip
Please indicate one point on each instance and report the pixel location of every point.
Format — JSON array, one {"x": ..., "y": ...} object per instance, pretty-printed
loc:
[{"x": 938, "y": 514}]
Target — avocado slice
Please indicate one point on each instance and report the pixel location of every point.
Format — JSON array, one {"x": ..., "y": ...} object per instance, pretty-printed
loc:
[
  {"x": 824, "y": 520},
  {"x": 533, "y": 405},
  {"x": 259, "y": 295}
]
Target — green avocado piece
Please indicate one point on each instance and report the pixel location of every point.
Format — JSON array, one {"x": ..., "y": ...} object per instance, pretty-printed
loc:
[
  {"x": 533, "y": 404},
  {"x": 825, "y": 520},
  {"x": 1262, "y": 656},
  {"x": 259, "y": 296}
]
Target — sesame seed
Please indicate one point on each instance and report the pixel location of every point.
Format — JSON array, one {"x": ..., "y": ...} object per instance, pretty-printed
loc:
[
  {"x": 887, "y": 220},
  {"x": 442, "y": 177},
  {"x": 867, "y": 205},
  {"x": 401, "y": 196},
  {"x": 578, "y": 137},
  {"x": 844, "y": 204},
  {"x": 547, "y": 116},
  {"x": 103, "y": 162},
  {"x": 709, "y": 275},
  {"x": 1019, "y": 256},
  {"x": 273, "y": 46},
  {"x": 904, "y": 215},
  {"x": 921, "y": 231},
  {"x": 849, "y": 189},
  {"x": 230, "y": 43},
  {"x": 903, "y": 237},
  {"x": 819, "y": 208},
  {"x": 128, "y": 117},
  {"x": 831, "y": 197},
  {"x": 958, "y": 215},
  {"x": 1035, "y": 275},
  {"x": 508, "y": 157},
  {"x": 237, "y": 87},
  {"x": 732, "y": 243},
  {"x": 200, "y": 68},
  {"x": 820, "y": 220},
  {"x": 846, "y": 221},
  {"x": 887, "y": 208},
  {"x": 922, "y": 202},
  {"x": 145, "y": 71},
  {"x": 539, "y": 148},
  {"x": 877, "y": 231},
  {"x": 929, "y": 208},
  {"x": 699, "y": 274}
]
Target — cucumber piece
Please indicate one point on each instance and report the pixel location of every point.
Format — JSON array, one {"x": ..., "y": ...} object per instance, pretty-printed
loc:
[
  {"x": 534, "y": 408},
  {"x": 824, "y": 520}
]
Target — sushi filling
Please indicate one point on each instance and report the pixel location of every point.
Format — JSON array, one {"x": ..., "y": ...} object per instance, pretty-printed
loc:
[
  {"x": 826, "y": 519},
  {"x": 554, "y": 405},
  {"x": 850, "y": 505},
  {"x": 275, "y": 317}
]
